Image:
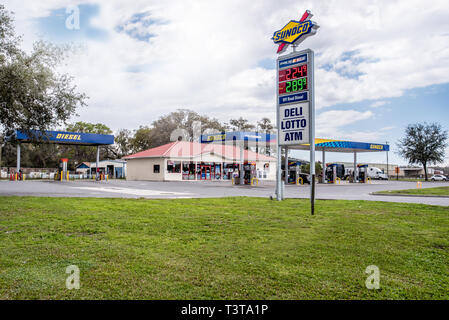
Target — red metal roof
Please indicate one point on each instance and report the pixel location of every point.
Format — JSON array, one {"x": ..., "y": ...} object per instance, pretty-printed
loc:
[{"x": 184, "y": 149}]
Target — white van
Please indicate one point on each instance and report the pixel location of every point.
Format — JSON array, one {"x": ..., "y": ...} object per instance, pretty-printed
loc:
[{"x": 376, "y": 173}]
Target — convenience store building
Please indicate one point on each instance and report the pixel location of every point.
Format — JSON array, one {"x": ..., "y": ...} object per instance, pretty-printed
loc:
[{"x": 193, "y": 161}]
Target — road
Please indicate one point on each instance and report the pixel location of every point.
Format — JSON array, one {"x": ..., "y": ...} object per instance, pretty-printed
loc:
[{"x": 192, "y": 189}]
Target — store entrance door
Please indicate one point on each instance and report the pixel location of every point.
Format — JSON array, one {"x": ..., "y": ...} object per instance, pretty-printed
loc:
[{"x": 205, "y": 172}]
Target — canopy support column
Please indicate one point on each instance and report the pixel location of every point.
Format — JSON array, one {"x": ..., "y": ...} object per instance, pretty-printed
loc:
[
  {"x": 388, "y": 173},
  {"x": 97, "y": 173},
  {"x": 18, "y": 157},
  {"x": 324, "y": 166},
  {"x": 355, "y": 166},
  {"x": 241, "y": 173}
]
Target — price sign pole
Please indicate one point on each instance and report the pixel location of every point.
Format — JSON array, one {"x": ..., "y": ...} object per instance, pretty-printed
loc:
[
  {"x": 295, "y": 95},
  {"x": 312, "y": 132}
]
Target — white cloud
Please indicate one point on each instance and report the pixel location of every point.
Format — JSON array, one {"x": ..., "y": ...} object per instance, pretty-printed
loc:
[
  {"x": 380, "y": 103},
  {"x": 206, "y": 56},
  {"x": 330, "y": 124}
]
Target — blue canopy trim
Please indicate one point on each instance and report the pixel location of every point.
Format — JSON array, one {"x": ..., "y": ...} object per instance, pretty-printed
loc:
[{"x": 64, "y": 137}]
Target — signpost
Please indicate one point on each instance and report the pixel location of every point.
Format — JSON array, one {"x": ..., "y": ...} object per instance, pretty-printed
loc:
[{"x": 295, "y": 96}]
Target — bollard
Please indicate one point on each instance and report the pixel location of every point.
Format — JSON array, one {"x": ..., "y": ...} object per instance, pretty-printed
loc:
[{"x": 297, "y": 181}]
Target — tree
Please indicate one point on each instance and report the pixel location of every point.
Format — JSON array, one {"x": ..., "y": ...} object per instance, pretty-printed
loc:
[
  {"x": 181, "y": 119},
  {"x": 423, "y": 144},
  {"x": 9, "y": 42},
  {"x": 240, "y": 124},
  {"x": 87, "y": 127},
  {"x": 44, "y": 155},
  {"x": 79, "y": 154},
  {"x": 123, "y": 142},
  {"x": 305, "y": 168},
  {"x": 142, "y": 139},
  {"x": 33, "y": 95},
  {"x": 265, "y": 124}
]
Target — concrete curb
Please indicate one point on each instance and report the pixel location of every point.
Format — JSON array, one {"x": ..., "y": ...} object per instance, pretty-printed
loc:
[{"x": 407, "y": 195}]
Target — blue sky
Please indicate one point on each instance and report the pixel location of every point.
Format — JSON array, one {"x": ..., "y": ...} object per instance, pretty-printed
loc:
[
  {"x": 428, "y": 104},
  {"x": 50, "y": 26},
  {"x": 377, "y": 70}
]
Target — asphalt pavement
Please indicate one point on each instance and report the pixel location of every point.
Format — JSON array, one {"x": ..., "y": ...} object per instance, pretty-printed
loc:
[{"x": 202, "y": 189}]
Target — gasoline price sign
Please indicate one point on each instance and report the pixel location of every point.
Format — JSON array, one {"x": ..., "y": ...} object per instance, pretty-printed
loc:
[{"x": 294, "y": 98}]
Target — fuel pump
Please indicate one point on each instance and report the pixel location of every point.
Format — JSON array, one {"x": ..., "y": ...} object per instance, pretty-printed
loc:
[
  {"x": 363, "y": 174},
  {"x": 63, "y": 169},
  {"x": 249, "y": 172},
  {"x": 330, "y": 173},
  {"x": 334, "y": 171},
  {"x": 294, "y": 171}
]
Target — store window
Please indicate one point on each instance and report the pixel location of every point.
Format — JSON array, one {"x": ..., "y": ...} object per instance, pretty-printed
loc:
[
  {"x": 156, "y": 168},
  {"x": 188, "y": 170},
  {"x": 173, "y": 166},
  {"x": 228, "y": 170}
]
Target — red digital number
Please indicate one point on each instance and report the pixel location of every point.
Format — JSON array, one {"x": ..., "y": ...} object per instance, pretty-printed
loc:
[
  {"x": 293, "y": 73},
  {"x": 288, "y": 74},
  {"x": 303, "y": 71}
]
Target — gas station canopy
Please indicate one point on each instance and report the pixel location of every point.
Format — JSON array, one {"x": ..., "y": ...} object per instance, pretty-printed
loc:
[
  {"x": 63, "y": 137},
  {"x": 248, "y": 138},
  {"x": 331, "y": 145},
  {"x": 344, "y": 146}
]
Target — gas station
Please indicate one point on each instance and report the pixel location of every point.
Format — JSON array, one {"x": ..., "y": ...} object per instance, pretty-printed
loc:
[
  {"x": 330, "y": 172},
  {"x": 66, "y": 138}
]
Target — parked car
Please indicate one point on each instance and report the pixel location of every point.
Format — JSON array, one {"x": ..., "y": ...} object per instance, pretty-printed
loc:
[{"x": 438, "y": 177}]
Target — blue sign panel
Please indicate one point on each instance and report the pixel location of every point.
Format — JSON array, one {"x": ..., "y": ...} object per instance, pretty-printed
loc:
[
  {"x": 296, "y": 60},
  {"x": 303, "y": 96},
  {"x": 63, "y": 137}
]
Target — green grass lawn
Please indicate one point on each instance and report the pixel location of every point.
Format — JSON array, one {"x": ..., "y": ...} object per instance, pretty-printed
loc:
[
  {"x": 229, "y": 248},
  {"x": 437, "y": 191}
]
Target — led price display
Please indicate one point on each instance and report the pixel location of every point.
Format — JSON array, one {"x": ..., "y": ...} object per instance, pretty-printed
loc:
[
  {"x": 293, "y": 73},
  {"x": 293, "y": 86}
]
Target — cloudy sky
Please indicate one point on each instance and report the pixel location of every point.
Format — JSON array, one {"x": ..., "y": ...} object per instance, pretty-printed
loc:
[{"x": 380, "y": 65}]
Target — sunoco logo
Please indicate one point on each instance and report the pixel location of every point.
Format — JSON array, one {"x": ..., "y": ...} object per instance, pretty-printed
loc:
[
  {"x": 295, "y": 32},
  {"x": 292, "y": 31}
]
